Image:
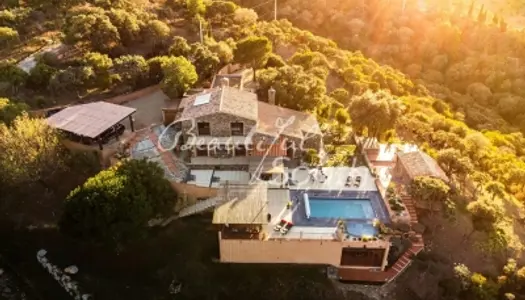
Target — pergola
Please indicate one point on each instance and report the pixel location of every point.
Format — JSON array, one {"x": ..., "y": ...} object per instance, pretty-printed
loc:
[{"x": 91, "y": 119}]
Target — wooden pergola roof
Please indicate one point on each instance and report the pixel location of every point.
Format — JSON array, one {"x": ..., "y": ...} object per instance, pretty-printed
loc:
[{"x": 91, "y": 119}]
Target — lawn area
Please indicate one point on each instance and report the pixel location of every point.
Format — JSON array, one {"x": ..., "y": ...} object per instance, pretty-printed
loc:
[{"x": 185, "y": 251}]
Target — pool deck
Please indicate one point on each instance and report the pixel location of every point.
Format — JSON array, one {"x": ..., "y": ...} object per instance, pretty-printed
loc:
[{"x": 317, "y": 228}]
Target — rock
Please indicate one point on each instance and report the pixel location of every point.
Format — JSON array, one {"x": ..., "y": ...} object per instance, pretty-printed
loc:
[
  {"x": 1, "y": 272},
  {"x": 71, "y": 270},
  {"x": 41, "y": 253},
  {"x": 7, "y": 290},
  {"x": 86, "y": 297}
]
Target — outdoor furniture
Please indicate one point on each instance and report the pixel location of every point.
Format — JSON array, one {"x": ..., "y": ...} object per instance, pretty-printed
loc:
[
  {"x": 280, "y": 225},
  {"x": 349, "y": 181},
  {"x": 286, "y": 228},
  {"x": 357, "y": 182}
]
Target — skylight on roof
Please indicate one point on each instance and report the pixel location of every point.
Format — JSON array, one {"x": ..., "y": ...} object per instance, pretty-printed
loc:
[{"x": 202, "y": 99}]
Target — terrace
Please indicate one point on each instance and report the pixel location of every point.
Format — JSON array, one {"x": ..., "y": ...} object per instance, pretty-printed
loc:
[{"x": 363, "y": 202}]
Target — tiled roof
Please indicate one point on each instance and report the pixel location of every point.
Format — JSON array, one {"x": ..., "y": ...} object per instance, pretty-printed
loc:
[
  {"x": 271, "y": 119},
  {"x": 226, "y": 100},
  {"x": 89, "y": 119},
  {"x": 419, "y": 163},
  {"x": 243, "y": 204}
]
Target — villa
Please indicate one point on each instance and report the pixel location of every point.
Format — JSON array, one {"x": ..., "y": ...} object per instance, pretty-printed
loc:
[{"x": 228, "y": 129}]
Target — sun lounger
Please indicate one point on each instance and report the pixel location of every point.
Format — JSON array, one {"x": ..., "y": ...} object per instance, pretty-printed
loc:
[
  {"x": 286, "y": 228},
  {"x": 349, "y": 181},
  {"x": 357, "y": 182},
  {"x": 280, "y": 225}
]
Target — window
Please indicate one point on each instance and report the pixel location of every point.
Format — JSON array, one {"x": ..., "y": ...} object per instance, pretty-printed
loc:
[
  {"x": 202, "y": 150},
  {"x": 222, "y": 150},
  {"x": 240, "y": 150},
  {"x": 237, "y": 128},
  {"x": 203, "y": 128}
]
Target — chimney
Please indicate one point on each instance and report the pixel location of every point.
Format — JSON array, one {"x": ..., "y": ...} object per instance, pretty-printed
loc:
[
  {"x": 225, "y": 82},
  {"x": 271, "y": 96}
]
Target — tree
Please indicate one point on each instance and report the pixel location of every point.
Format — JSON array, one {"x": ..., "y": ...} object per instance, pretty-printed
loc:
[
  {"x": 453, "y": 162},
  {"x": 157, "y": 32},
  {"x": 40, "y": 75},
  {"x": 9, "y": 111},
  {"x": 342, "y": 116},
  {"x": 309, "y": 59},
  {"x": 205, "y": 61},
  {"x": 253, "y": 50},
  {"x": 30, "y": 151},
  {"x": 295, "y": 89},
  {"x": 484, "y": 214},
  {"x": 114, "y": 206},
  {"x": 179, "y": 76},
  {"x": 101, "y": 65},
  {"x": 127, "y": 24},
  {"x": 131, "y": 69},
  {"x": 311, "y": 157},
  {"x": 377, "y": 112},
  {"x": 221, "y": 49},
  {"x": 196, "y": 7},
  {"x": 496, "y": 189},
  {"x": 7, "y": 35},
  {"x": 93, "y": 27},
  {"x": 179, "y": 47},
  {"x": 429, "y": 189},
  {"x": 10, "y": 73}
]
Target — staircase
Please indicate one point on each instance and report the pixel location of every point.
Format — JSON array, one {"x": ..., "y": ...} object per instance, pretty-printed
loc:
[{"x": 200, "y": 207}]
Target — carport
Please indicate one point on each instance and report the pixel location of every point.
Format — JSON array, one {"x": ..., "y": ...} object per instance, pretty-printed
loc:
[{"x": 92, "y": 119}]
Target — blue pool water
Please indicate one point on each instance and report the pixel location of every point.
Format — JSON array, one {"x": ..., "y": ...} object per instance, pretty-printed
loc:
[{"x": 341, "y": 208}]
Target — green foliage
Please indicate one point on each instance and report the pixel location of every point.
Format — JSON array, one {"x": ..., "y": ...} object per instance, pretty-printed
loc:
[
  {"x": 222, "y": 49},
  {"x": 132, "y": 69},
  {"x": 157, "y": 32},
  {"x": 114, "y": 206},
  {"x": 12, "y": 74},
  {"x": 7, "y": 35},
  {"x": 342, "y": 116},
  {"x": 429, "y": 189},
  {"x": 275, "y": 61},
  {"x": 485, "y": 214},
  {"x": 377, "y": 112},
  {"x": 294, "y": 88},
  {"x": 127, "y": 24},
  {"x": 179, "y": 47},
  {"x": 30, "y": 151},
  {"x": 341, "y": 95},
  {"x": 311, "y": 157},
  {"x": 340, "y": 155},
  {"x": 9, "y": 110},
  {"x": 205, "y": 61},
  {"x": 253, "y": 51},
  {"x": 196, "y": 7},
  {"x": 101, "y": 64},
  {"x": 179, "y": 76},
  {"x": 309, "y": 60},
  {"x": 453, "y": 162},
  {"x": 94, "y": 27},
  {"x": 40, "y": 75}
]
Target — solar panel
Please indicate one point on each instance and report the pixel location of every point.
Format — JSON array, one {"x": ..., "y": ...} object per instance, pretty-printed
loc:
[{"x": 202, "y": 99}]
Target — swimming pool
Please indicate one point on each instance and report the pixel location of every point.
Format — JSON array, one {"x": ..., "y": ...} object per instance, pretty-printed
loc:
[{"x": 341, "y": 208}]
